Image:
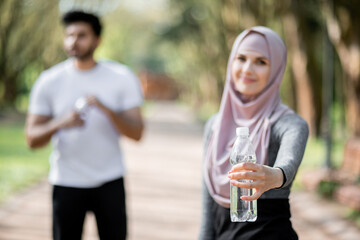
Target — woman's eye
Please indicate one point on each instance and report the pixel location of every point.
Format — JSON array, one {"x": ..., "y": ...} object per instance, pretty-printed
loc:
[
  {"x": 261, "y": 62},
  {"x": 242, "y": 59}
]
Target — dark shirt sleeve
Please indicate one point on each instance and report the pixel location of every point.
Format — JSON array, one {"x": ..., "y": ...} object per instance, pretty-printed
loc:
[{"x": 292, "y": 132}]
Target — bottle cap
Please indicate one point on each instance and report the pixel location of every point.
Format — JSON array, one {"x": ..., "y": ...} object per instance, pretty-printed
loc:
[{"x": 242, "y": 131}]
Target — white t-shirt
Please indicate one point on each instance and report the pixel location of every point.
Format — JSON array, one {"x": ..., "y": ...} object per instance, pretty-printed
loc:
[{"x": 90, "y": 155}]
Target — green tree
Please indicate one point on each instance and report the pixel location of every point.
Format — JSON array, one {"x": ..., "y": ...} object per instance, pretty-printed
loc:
[
  {"x": 26, "y": 29},
  {"x": 343, "y": 26}
]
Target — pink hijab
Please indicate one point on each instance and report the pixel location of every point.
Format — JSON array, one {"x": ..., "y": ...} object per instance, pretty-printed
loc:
[{"x": 258, "y": 114}]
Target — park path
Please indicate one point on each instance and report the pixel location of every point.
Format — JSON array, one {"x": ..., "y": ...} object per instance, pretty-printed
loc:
[{"x": 163, "y": 191}]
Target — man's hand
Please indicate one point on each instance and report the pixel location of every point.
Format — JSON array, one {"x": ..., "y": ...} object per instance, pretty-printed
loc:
[
  {"x": 128, "y": 122},
  {"x": 39, "y": 129},
  {"x": 71, "y": 120},
  {"x": 93, "y": 101}
]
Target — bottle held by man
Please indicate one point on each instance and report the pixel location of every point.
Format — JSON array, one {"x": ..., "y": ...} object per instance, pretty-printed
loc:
[
  {"x": 82, "y": 107},
  {"x": 242, "y": 151}
]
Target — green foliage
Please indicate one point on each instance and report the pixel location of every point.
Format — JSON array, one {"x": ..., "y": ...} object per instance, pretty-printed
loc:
[
  {"x": 19, "y": 166},
  {"x": 133, "y": 40},
  {"x": 326, "y": 188},
  {"x": 206, "y": 110},
  {"x": 354, "y": 216},
  {"x": 29, "y": 33},
  {"x": 314, "y": 157}
]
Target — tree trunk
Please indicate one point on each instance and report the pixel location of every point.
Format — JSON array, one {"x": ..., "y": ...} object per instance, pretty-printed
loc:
[
  {"x": 10, "y": 92},
  {"x": 349, "y": 55},
  {"x": 350, "y": 62},
  {"x": 298, "y": 61}
]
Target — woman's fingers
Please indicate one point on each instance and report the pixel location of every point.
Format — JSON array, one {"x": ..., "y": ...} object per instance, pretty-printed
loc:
[
  {"x": 248, "y": 185},
  {"x": 245, "y": 166},
  {"x": 246, "y": 175},
  {"x": 241, "y": 184},
  {"x": 255, "y": 196},
  {"x": 260, "y": 177},
  {"x": 247, "y": 170}
]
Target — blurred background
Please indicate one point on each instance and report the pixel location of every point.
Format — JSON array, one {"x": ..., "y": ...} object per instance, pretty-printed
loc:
[{"x": 180, "y": 49}]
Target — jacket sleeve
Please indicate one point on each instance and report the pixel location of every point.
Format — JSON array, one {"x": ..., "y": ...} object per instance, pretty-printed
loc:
[{"x": 293, "y": 133}]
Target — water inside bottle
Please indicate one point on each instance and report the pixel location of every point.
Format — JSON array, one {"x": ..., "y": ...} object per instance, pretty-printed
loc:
[
  {"x": 252, "y": 208},
  {"x": 240, "y": 210}
]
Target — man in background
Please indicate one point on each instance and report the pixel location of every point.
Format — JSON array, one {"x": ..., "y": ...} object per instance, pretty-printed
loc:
[{"x": 83, "y": 106}]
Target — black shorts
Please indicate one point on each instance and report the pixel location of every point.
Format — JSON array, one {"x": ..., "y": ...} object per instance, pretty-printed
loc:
[
  {"x": 107, "y": 202},
  {"x": 273, "y": 222}
]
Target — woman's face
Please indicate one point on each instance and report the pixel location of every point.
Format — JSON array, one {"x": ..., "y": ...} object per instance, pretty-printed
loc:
[{"x": 250, "y": 71}]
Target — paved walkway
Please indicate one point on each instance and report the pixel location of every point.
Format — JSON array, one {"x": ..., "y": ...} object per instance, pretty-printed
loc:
[{"x": 163, "y": 191}]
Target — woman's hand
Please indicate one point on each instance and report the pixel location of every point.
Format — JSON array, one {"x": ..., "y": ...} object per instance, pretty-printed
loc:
[{"x": 262, "y": 178}]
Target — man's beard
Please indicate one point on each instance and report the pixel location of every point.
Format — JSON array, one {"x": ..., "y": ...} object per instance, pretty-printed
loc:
[{"x": 84, "y": 56}]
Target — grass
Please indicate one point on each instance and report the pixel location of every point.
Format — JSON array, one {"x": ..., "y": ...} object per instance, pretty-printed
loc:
[
  {"x": 19, "y": 165},
  {"x": 314, "y": 158}
]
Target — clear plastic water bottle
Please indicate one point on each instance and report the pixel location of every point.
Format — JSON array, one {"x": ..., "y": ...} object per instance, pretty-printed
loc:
[
  {"x": 242, "y": 151},
  {"x": 82, "y": 107}
]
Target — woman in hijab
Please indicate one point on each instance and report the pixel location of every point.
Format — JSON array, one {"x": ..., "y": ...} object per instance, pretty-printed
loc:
[{"x": 251, "y": 98}]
